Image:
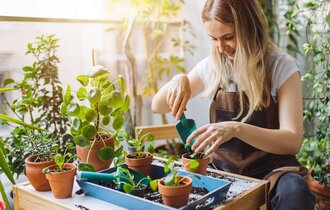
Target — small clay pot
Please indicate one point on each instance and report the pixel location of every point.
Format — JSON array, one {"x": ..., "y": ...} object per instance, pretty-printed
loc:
[
  {"x": 94, "y": 160},
  {"x": 315, "y": 186},
  {"x": 61, "y": 183},
  {"x": 141, "y": 165},
  {"x": 34, "y": 173},
  {"x": 175, "y": 196},
  {"x": 203, "y": 163}
]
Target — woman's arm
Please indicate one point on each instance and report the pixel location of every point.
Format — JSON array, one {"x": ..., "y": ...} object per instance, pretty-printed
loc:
[
  {"x": 285, "y": 140},
  {"x": 174, "y": 95}
]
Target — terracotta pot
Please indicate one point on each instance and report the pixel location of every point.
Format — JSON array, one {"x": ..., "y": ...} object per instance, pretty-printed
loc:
[
  {"x": 82, "y": 153},
  {"x": 321, "y": 193},
  {"x": 34, "y": 173},
  {"x": 141, "y": 165},
  {"x": 175, "y": 196},
  {"x": 61, "y": 183},
  {"x": 203, "y": 163}
]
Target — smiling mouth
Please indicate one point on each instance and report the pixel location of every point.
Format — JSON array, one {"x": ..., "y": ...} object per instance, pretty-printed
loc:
[{"x": 230, "y": 51}]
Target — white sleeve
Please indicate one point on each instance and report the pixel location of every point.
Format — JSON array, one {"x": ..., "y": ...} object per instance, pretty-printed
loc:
[
  {"x": 285, "y": 68},
  {"x": 201, "y": 68}
]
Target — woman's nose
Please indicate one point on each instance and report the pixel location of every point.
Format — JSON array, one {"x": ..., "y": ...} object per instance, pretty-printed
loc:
[{"x": 221, "y": 46}]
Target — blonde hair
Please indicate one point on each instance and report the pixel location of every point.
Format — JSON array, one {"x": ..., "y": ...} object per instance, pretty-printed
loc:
[{"x": 253, "y": 47}]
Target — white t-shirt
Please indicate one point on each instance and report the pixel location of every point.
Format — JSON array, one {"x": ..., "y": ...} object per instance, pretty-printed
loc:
[{"x": 281, "y": 65}]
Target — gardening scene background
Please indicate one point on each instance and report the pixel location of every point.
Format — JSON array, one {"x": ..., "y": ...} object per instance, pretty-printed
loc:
[{"x": 164, "y": 41}]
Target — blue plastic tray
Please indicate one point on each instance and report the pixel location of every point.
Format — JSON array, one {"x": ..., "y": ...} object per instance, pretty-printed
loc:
[{"x": 217, "y": 191}]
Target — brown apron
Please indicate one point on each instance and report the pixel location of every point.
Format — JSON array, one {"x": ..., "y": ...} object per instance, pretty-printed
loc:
[{"x": 238, "y": 157}]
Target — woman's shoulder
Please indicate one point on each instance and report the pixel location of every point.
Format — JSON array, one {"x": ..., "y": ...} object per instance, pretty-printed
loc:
[{"x": 282, "y": 66}]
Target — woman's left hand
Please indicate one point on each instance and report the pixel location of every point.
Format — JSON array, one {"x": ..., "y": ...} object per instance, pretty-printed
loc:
[{"x": 213, "y": 134}]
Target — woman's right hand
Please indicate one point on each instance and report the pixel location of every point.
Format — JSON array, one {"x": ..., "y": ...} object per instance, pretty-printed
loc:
[{"x": 178, "y": 95}]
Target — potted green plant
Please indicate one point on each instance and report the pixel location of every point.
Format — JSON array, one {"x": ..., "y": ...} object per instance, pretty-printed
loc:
[
  {"x": 107, "y": 102},
  {"x": 41, "y": 157},
  {"x": 140, "y": 161},
  {"x": 39, "y": 96},
  {"x": 130, "y": 185},
  {"x": 61, "y": 174},
  {"x": 195, "y": 162},
  {"x": 174, "y": 189}
]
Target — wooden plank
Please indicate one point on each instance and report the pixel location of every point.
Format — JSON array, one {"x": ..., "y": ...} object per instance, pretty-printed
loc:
[
  {"x": 159, "y": 131},
  {"x": 25, "y": 200}
]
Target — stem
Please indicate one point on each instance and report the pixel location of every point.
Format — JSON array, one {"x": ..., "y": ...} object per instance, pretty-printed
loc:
[{"x": 89, "y": 151}]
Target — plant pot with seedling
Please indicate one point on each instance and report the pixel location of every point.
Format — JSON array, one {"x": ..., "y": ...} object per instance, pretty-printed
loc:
[
  {"x": 61, "y": 174},
  {"x": 199, "y": 164},
  {"x": 140, "y": 161},
  {"x": 125, "y": 180},
  {"x": 107, "y": 102},
  {"x": 174, "y": 189}
]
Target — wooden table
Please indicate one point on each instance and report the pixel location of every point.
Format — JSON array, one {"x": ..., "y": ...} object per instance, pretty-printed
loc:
[{"x": 26, "y": 198}]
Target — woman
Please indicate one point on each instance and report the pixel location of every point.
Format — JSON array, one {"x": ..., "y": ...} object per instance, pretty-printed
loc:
[{"x": 256, "y": 111}]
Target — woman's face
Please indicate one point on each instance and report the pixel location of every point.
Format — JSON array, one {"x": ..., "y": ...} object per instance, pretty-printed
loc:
[{"x": 223, "y": 36}]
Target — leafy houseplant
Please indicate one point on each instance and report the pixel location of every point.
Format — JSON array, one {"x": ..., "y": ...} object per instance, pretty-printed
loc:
[
  {"x": 61, "y": 174},
  {"x": 130, "y": 185},
  {"x": 107, "y": 103},
  {"x": 38, "y": 102},
  {"x": 174, "y": 189},
  {"x": 140, "y": 161},
  {"x": 138, "y": 143},
  {"x": 41, "y": 150}
]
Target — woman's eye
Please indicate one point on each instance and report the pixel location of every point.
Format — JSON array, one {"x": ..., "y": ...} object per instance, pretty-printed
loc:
[
  {"x": 229, "y": 37},
  {"x": 213, "y": 39}
]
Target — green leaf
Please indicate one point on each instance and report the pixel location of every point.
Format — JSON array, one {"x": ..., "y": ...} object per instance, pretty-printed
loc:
[
  {"x": 106, "y": 120},
  {"x": 83, "y": 79},
  {"x": 154, "y": 185},
  {"x": 8, "y": 81},
  {"x": 127, "y": 187},
  {"x": 89, "y": 131},
  {"x": 193, "y": 165},
  {"x": 127, "y": 103},
  {"x": 118, "y": 122},
  {"x": 82, "y": 93},
  {"x": 81, "y": 141},
  {"x": 106, "y": 153},
  {"x": 4, "y": 196},
  {"x": 73, "y": 109},
  {"x": 59, "y": 159},
  {"x": 169, "y": 180},
  {"x": 27, "y": 68},
  {"x": 67, "y": 95},
  {"x": 94, "y": 95},
  {"x": 121, "y": 84},
  {"x": 76, "y": 123},
  {"x": 150, "y": 148},
  {"x": 86, "y": 167},
  {"x": 104, "y": 109},
  {"x": 116, "y": 99},
  {"x": 5, "y": 167},
  {"x": 6, "y": 89},
  {"x": 90, "y": 115},
  {"x": 13, "y": 120}
]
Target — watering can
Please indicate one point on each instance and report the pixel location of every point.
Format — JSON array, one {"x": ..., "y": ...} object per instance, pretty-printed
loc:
[{"x": 185, "y": 127}]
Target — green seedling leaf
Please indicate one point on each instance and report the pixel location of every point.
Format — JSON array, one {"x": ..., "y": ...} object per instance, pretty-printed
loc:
[
  {"x": 127, "y": 188},
  {"x": 121, "y": 83},
  {"x": 127, "y": 103},
  {"x": 193, "y": 165},
  {"x": 8, "y": 81},
  {"x": 67, "y": 95},
  {"x": 89, "y": 131},
  {"x": 76, "y": 123},
  {"x": 104, "y": 109},
  {"x": 46, "y": 171},
  {"x": 81, "y": 141},
  {"x": 154, "y": 185},
  {"x": 169, "y": 180},
  {"x": 150, "y": 148},
  {"x": 106, "y": 153}
]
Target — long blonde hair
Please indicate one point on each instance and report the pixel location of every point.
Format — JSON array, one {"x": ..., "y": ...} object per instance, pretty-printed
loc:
[{"x": 253, "y": 47}]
